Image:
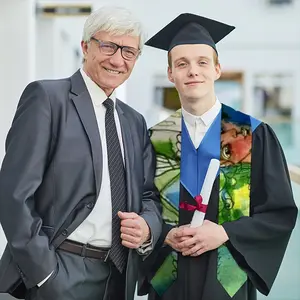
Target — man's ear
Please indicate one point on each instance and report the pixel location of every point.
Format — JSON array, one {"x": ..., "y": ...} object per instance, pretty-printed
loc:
[
  {"x": 170, "y": 75},
  {"x": 84, "y": 48},
  {"x": 218, "y": 71}
]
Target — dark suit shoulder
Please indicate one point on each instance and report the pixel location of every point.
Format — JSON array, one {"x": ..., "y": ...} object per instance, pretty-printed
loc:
[
  {"x": 54, "y": 82},
  {"x": 56, "y": 91},
  {"x": 55, "y": 86}
]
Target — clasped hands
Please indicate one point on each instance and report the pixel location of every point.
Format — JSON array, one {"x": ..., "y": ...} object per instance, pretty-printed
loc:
[{"x": 196, "y": 241}]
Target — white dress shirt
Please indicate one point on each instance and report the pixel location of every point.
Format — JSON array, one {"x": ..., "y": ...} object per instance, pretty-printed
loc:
[
  {"x": 197, "y": 126},
  {"x": 96, "y": 228}
]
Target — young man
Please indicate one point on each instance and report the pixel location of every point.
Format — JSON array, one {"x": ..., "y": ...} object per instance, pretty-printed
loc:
[
  {"x": 78, "y": 204},
  {"x": 251, "y": 212}
]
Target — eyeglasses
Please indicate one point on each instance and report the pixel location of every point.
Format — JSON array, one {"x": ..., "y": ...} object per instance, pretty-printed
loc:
[{"x": 110, "y": 48}]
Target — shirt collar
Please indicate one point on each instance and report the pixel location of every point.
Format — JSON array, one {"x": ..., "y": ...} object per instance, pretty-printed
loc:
[
  {"x": 97, "y": 94},
  {"x": 207, "y": 118}
]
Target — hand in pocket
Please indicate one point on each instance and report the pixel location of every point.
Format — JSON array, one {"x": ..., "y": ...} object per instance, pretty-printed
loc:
[{"x": 52, "y": 286}]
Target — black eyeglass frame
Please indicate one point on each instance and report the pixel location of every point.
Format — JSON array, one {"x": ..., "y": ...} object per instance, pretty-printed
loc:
[{"x": 135, "y": 52}]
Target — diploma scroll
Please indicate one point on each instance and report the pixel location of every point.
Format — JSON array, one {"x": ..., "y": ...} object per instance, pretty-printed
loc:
[{"x": 209, "y": 180}]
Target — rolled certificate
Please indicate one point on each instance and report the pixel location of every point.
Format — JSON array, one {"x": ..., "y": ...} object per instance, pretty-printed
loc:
[{"x": 209, "y": 180}]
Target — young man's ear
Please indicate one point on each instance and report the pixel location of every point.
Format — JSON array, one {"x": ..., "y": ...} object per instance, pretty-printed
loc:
[
  {"x": 218, "y": 71},
  {"x": 170, "y": 75}
]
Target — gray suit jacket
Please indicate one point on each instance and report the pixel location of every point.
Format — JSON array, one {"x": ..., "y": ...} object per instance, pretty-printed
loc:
[{"x": 51, "y": 176}]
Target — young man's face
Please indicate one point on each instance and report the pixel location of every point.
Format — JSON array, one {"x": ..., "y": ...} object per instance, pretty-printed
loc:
[{"x": 193, "y": 70}]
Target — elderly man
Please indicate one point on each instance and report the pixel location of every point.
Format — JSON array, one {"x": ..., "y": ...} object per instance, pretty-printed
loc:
[{"x": 78, "y": 204}]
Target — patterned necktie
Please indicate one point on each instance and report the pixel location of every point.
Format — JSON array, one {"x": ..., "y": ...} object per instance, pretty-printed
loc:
[{"x": 118, "y": 253}]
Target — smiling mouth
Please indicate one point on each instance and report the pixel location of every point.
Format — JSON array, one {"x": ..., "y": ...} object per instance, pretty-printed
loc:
[
  {"x": 194, "y": 82},
  {"x": 113, "y": 71}
]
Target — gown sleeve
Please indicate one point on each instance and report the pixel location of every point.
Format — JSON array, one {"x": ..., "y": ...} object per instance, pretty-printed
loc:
[
  {"x": 153, "y": 261},
  {"x": 258, "y": 242}
]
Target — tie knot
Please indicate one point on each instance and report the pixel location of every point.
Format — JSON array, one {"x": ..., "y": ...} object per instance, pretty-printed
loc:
[{"x": 109, "y": 104}]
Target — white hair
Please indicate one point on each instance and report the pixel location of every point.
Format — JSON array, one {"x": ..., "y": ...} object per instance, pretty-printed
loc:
[{"x": 115, "y": 21}]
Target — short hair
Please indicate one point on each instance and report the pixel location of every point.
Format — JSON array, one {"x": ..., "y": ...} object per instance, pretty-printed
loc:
[{"x": 114, "y": 20}]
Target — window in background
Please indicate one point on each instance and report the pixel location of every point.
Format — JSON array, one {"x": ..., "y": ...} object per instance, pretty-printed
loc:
[
  {"x": 273, "y": 96},
  {"x": 229, "y": 89}
]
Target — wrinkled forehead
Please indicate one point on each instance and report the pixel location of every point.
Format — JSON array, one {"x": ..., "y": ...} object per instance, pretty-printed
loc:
[{"x": 120, "y": 39}]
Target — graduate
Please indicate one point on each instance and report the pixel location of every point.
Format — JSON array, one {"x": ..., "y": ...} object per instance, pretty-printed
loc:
[{"x": 250, "y": 211}]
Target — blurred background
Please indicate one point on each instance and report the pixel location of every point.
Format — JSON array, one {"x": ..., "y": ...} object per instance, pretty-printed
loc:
[{"x": 260, "y": 62}]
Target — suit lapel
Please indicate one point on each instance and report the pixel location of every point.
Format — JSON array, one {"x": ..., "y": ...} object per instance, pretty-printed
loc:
[
  {"x": 128, "y": 151},
  {"x": 84, "y": 106}
]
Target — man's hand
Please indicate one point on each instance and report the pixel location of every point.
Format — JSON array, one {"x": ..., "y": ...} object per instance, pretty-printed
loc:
[
  {"x": 204, "y": 238},
  {"x": 172, "y": 240},
  {"x": 134, "y": 230}
]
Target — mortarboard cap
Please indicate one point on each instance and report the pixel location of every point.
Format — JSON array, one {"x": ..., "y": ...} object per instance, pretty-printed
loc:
[{"x": 190, "y": 29}]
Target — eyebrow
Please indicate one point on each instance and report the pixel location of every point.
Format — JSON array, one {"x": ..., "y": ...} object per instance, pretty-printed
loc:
[
  {"x": 186, "y": 59},
  {"x": 108, "y": 41},
  {"x": 204, "y": 57}
]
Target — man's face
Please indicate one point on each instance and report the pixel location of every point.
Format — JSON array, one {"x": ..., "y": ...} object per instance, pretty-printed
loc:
[
  {"x": 193, "y": 71},
  {"x": 108, "y": 71}
]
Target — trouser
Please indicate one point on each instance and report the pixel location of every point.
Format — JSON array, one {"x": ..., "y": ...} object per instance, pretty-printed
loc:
[{"x": 81, "y": 278}]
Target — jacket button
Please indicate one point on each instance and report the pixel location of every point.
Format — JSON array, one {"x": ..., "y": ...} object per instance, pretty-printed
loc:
[
  {"x": 90, "y": 205},
  {"x": 65, "y": 232}
]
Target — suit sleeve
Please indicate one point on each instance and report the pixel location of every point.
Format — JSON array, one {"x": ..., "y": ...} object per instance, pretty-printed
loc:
[
  {"x": 23, "y": 167},
  {"x": 258, "y": 242},
  {"x": 151, "y": 207}
]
